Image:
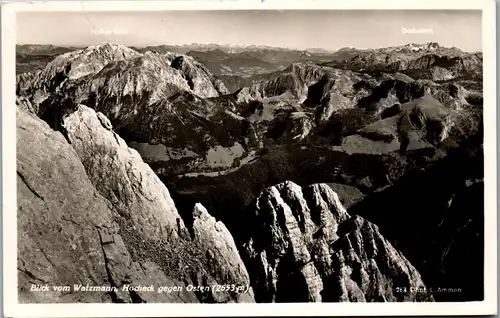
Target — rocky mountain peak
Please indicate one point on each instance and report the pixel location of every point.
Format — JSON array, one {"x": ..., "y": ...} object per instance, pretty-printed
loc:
[
  {"x": 308, "y": 248},
  {"x": 108, "y": 47},
  {"x": 415, "y": 47},
  {"x": 419, "y": 61},
  {"x": 86, "y": 61},
  {"x": 117, "y": 80},
  {"x": 433, "y": 45}
]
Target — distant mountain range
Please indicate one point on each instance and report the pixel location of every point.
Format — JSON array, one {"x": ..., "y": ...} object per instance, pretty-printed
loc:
[
  {"x": 52, "y": 49},
  {"x": 229, "y": 48},
  {"x": 42, "y": 49},
  {"x": 239, "y": 66},
  {"x": 234, "y": 63}
]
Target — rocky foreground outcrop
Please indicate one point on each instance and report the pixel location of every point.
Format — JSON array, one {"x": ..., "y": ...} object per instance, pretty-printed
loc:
[
  {"x": 90, "y": 212},
  {"x": 302, "y": 245}
]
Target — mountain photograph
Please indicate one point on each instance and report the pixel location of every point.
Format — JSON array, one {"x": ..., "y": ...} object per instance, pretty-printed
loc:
[{"x": 250, "y": 157}]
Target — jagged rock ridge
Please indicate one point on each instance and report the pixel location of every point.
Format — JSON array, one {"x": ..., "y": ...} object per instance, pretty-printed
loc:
[{"x": 304, "y": 246}]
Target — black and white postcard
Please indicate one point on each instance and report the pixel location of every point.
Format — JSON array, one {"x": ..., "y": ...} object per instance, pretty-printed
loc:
[{"x": 264, "y": 157}]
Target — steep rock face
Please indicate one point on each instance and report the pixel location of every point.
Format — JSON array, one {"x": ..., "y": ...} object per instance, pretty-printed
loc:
[
  {"x": 447, "y": 66},
  {"x": 138, "y": 194},
  {"x": 199, "y": 78},
  {"x": 119, "y": 208},
  {"x": 323, "y": 91},
  {"x": 299, "y": 125},
  {"x": 392, "y": 91},
  {"x": 168, "y": 106},
  {"x": 321, "y": 97},
  {"x": 121, "y": 176},
  {"x": 180, "y": 135},
  {"x": 39, "y": 185},
  {"x": 319, "y": 91},
  {"x": 308, "y": 248},
  {"x": 293, "y": 80},
  {"x": 291, "y": 127},
  {"x": 460, "y": 110},
  {"x": 453, "y": 96},
  {"x": 159, "y": 105},
  {"x": 223, "y": 258},
  {"x": 147, "y": 79},
  {"x": 24, "y": 81},
  {"x": 437, "y": 73},
  {"x": 296, "y": 81},
  {"x": 67, "y": 231},
  {"x": 87, "y": 61}
]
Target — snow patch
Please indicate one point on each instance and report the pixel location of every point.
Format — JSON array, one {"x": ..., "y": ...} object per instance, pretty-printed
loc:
[
  {"x": 297, "y": 115},
  {"x": 160, "y": 152},
  {"x": 224, "y": 156}
]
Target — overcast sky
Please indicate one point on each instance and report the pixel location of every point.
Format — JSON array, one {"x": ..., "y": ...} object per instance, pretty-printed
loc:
[{"x": 295, "y": 29}]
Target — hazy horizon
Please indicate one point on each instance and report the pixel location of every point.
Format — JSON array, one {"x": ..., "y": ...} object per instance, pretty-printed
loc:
[{"x": 325, "y": 29}]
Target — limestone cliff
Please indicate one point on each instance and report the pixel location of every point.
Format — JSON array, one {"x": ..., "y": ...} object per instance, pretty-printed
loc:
[
  {"x": 304, "y": 246},
  {"x": 91, "y": 212}
]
